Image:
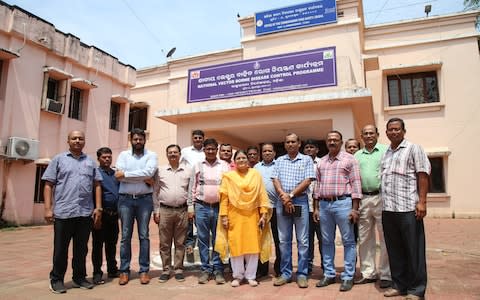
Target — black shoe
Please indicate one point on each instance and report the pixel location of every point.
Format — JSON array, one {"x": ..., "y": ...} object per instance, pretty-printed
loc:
[
  {"x": 164, "y": 277},
  {"x": 115, "y": 274},
  {"x": 83, "y": 284},
  {"x": 97, "y": 279},
  {"x": 57, "y": 287},
  {"x": 384, "y": 284},
  {"x": 179, "y": 277},
  {"x": 364, "y": 280},
  {"x": 325, "y": 281},
  {"x": 346, "y": 285}
]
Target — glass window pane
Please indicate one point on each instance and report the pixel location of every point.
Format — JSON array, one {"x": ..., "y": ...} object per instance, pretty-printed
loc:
[
  {"x": 418, "y": 91},
  {"x": 431, "y": 89},
  {"x": 393, "y": 92},
  {"x": 437, "y": 178},
  {"x": 406, "y": 91}
]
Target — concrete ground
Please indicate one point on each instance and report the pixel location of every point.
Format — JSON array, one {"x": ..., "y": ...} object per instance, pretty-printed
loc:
[{"x": 453, "y": 259}]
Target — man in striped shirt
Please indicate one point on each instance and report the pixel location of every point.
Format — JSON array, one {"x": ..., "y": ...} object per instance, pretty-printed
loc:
[
  {"x": 405, "y": 169},
  {"x": 339, "y": 191},
  {"x": 203, "y": 200}
]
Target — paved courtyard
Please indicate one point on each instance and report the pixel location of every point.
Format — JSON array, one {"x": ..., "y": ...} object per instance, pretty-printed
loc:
[{"x": 453, "y": 259}]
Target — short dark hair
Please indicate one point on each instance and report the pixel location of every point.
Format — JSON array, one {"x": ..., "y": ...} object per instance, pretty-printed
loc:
[
  {"x": 210, "y": 141},
  {"x": 253, "y": 148},
  {"x": 239, "y": 151},
  {"x": 376, "y": 129},
  {"x": 292, "y": 133},
  {"x": 198, "y": 132},
  {"x": 137, "y": 131},
  {"x": 311, "y": 142},
  {"x": 103, "y": 150},
  {"x": 226, "y": 145},
  {"x": 267, "y": 144},
  {"x": 337, "y": 132},
  {"x": 173, "y": 145},
  {"x": 392, "y": 120}
]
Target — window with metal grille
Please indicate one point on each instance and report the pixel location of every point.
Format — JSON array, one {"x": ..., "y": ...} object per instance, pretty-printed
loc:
[
  {"x": 114, "y": 115},
  {"x": 39, "y": 184},
  {"x": 76, "y": 104}
]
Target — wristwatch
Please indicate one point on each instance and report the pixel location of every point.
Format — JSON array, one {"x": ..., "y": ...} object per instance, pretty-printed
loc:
[
  {"x": 291, "y": 195},
  {"x": 100, "y": 209}
]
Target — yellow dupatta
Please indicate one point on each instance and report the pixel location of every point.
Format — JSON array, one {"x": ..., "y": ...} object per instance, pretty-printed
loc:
[{"x": 247, "y": 193}]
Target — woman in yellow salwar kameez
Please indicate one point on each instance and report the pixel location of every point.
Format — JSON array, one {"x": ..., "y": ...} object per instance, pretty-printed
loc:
[{"x": 243, "y": 230}]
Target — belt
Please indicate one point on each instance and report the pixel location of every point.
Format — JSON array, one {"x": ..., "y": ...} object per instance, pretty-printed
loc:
[
  {"x": 206, "y": 203},
  {"x": 372, "y": 193},
  {"x": 173, "y": 207},
  {"x": 110, "y": 211},
  {"x": 335, "y": 198},
  {"x": 134, "y": 196}
]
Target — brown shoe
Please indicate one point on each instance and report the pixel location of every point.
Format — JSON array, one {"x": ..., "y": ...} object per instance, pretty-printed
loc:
[
  {"x": 392, "y": 293},
  {"x": 123, "y": 279},
  {"x": 144, "y": 278}
]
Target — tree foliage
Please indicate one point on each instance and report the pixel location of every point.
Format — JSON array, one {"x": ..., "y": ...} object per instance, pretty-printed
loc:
[{"x": 471, "y": 4}]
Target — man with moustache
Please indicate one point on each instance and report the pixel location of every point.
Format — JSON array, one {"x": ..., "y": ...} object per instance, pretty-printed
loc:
[
  {"x": 405, "y": 169},
  {"x": 337, "y": 195},
  {"x": 203, "y": 204},
  {"x": 71, "y": 181},
  {"x": 369, "y": 159},
  {"x": 352, "y": 146},
  {"x": 291, "y": 178},
  {"x": 170, "y": 201},
  {"x": 135, "y": 169},
  {"x": 107, "y": 234},
  {"x": 266, "y": 167},
  {"x": 253, "y": 156},
  {"x": 225, "y": 153}
]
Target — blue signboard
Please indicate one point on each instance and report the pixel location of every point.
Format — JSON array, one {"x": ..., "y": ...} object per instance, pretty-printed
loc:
[
  {"x": 287, "y": 72},
  {"x": 296, "y": 16}
]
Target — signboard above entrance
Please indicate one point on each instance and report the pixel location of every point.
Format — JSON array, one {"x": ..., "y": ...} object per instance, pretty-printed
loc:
[
  {"x": 296, "y": 16},
  {"x": 279, "y": 73}
]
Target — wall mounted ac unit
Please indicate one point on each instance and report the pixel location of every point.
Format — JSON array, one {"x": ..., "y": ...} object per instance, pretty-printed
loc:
[
  {"x": 22, "y": 148},
  {"x": 54, "y": 106}
]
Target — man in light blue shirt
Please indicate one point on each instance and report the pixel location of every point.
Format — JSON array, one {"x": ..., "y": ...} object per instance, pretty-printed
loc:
[
  {"x": 71, "y": 180},
  {"x": 291, "y": 178},
  {"x": 135, "y": 169},
  {"x": 266, "y": 167}
]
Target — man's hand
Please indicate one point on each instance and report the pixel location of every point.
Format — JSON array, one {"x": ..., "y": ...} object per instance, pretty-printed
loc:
[
  {"x": 156, "y": 218},
  {"x": 289, "y": 207},
  {"x": 150, "y": 181},
  {"x": 225, "y": 222},
  {"x": 97, "y": 219},
  {"x": 285, "y": 198},
  {"x": 420, "y": 210},
  {"x": 316, "y": 216},
  {"x": 354, "y": 216},
  {"x": 119, "y": 174},
  {"x": 191, "y": 216},
  {"x": 49, "y": 215}
]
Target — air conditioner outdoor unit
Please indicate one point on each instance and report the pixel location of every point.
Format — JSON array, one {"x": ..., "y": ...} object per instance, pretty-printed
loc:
[
  {"x": 54, "y": 106},
  {"x": 22, "y": 148}
]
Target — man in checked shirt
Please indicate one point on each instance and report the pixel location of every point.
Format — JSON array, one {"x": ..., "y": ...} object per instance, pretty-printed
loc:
[{"x": 337, "y": 195}]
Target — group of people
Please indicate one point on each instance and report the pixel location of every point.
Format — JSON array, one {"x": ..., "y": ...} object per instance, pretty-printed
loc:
[{"x": 239, "y": 203}]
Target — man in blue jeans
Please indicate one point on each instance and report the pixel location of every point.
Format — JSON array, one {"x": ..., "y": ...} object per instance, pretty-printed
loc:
[
  {"x": 135, "y": 169},
  {"x": 203, "y": 204},
  {"x": 339, "y": 191},
  {"x": 292, "y": 176}
]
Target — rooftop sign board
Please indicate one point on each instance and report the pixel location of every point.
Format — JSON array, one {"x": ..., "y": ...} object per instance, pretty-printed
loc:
[
  {"x": 296, "y": 16},
  {"x": 279, "y": 73}
]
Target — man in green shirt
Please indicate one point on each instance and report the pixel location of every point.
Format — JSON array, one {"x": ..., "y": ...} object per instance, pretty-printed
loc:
[{"x": 369, "y": 159}]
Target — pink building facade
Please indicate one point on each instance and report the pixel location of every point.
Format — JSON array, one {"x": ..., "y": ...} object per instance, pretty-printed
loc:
[
  {"x": 52, "y": 83},
  {"x": 425, "y": 71}
]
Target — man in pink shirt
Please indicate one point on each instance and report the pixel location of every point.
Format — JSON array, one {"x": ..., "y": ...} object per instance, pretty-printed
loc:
[{"x": 203, "y": 202}]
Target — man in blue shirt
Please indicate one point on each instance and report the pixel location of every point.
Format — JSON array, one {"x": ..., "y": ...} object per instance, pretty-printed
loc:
[
  {"x": 266, "y": 167},
  {"x": 71, "y": 180},
  {"x": 292, "y": 177},
  {"x": 135, "y": 169},
  {"x": 108, "y": 232}
]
